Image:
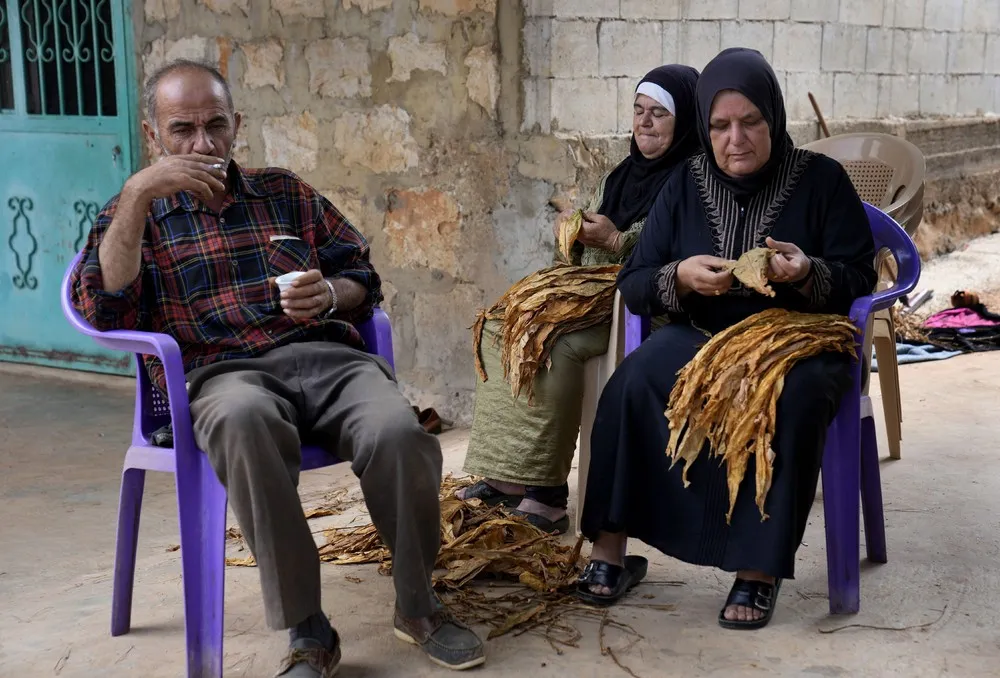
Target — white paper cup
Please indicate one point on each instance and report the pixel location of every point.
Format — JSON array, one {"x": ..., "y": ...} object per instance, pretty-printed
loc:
[{"x": 285, "y": 281}]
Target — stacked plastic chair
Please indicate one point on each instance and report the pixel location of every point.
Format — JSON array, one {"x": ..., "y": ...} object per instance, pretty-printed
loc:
[{"x": 888, "y": 172}]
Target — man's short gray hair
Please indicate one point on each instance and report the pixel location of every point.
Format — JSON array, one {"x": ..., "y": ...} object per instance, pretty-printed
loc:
[{"x": 153, "y": 83}]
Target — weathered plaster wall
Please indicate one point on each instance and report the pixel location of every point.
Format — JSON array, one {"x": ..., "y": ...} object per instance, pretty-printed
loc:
[{"x": 445, "y": 129}]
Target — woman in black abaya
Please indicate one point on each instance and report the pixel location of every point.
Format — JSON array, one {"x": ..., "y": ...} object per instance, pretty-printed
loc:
[{"x": 751, "y": 188}]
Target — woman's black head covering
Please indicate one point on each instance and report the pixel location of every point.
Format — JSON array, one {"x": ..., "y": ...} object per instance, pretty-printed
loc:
[
  {"x": 633, "y": 185},
  {"x": 747, "y": 72}
]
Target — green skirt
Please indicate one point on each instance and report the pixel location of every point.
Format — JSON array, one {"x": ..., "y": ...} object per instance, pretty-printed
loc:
[{"x": 531, "y": 445}]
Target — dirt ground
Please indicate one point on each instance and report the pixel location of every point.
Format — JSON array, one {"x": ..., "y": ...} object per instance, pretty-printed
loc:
[
  {"x": 972, "y": 268},
  {"x": 63, "y": 441}
]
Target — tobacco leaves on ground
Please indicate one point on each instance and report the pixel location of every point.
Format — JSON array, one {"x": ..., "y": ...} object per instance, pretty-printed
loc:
[{"x": 494, "y": 570}]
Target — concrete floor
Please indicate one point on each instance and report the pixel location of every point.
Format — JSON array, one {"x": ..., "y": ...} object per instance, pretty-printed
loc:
[{"x": 62, "y": 443}]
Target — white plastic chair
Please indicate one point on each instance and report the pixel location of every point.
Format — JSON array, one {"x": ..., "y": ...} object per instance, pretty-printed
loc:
[{"x": 598, "y": 371}]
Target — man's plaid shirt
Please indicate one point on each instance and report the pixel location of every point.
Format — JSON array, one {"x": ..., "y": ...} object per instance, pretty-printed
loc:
[{"x": 204, "y": 276}]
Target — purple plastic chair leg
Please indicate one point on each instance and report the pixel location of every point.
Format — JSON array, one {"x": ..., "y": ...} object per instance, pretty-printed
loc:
[
  {"x": 871, "y": 494},
  {"x": 841, "y": 506},
  {"x": 129, "y": 510},
  {"x": 201, "y": 501}
]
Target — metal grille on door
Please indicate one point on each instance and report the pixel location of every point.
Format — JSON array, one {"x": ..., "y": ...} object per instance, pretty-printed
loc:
[{"x": 68, "y": 57}]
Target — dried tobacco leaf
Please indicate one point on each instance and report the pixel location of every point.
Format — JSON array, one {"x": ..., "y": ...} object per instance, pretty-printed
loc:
[
  {"x": 249, "y": 561},
  {"x": 477, "y": 342},
  {"x": 321, "y": 512},
  {"x": 751, "y": 269},
  {"x": 727, "y": 395},
  {"x": 516, "y": 620},
  {"x": 569, "y": 230}
]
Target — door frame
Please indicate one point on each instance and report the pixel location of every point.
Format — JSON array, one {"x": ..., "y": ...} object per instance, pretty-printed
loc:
[{"x": 18, "y": 120}]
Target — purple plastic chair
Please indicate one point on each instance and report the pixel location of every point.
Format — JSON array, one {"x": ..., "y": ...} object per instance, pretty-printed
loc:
[
  {"x": 850, "y": 459},
  {"x": 201, "y": 499}
]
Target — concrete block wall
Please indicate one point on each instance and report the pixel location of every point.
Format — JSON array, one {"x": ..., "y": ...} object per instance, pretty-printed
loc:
[{"x": 860, "y": 58}]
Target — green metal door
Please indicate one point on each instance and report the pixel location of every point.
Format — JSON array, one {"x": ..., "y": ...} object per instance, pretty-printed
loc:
[{"x": 66, "y": 146}]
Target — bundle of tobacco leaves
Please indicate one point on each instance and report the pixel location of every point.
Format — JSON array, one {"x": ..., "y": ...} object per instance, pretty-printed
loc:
[
  {"x": 908, "y": 327},
  {"x": 538, "y": 310},
  {"x": 729, "y": 392}
]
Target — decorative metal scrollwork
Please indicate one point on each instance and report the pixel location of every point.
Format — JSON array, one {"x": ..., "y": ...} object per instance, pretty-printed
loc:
[
  {"x": 36, "y": 24},
  {"x": 21, "y": 207},
  {"x": 74, "y": 17},
  {"x": 108, "y": 48},
  {"x": 4, "y": 54},
  {"x": 87, "y": 211}
]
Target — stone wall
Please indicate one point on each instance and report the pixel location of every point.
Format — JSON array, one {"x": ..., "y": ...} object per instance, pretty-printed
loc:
[
  {"x": 391, "y": 110},
  {"x": 859, "y": 58},
  {"x": 446, "y": 129}
]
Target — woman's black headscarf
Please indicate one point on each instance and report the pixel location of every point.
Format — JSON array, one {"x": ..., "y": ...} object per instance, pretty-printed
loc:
[
  {"x": 747, "y": 72},
  {"x": 633, "y": 185}
]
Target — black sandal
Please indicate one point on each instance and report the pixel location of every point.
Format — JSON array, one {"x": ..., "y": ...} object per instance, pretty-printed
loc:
[
  {"x": 619, "y": 579},
  {"x": 560, "y": 526},
  {"x": 491, "y": 496},
  {"x": 757, "y": 595}
]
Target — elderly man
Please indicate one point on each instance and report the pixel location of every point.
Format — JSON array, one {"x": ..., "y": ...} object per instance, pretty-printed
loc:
[{"x": 190, "y": 248}]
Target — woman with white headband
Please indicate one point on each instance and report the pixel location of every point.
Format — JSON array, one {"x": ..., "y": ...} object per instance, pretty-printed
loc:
[{"x": 524, "y": 452}]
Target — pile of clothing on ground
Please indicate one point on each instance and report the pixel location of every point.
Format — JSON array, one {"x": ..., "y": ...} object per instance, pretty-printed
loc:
[{"x": 967, "y": 327}]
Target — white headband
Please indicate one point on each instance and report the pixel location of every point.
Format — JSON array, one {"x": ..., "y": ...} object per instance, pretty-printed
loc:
[{"x": 657, "y": 94}]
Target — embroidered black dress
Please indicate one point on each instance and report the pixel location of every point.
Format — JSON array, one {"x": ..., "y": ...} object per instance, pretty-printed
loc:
[{"x": 809, "y": 201}]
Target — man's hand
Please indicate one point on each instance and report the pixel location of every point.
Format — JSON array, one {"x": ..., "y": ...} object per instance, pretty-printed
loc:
[
  {"x": 599, "y": 231},
  {"x": 194, "y": 173},
  {"x": 120, "y": 251},
  {"x": 308, "y": 296},
  {"x": 789, "y": 264},
  {"x": 703, "y": 274}
]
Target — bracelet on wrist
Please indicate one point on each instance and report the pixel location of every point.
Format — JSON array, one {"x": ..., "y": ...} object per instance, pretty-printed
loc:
[{"x": 333, "y": 299}]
